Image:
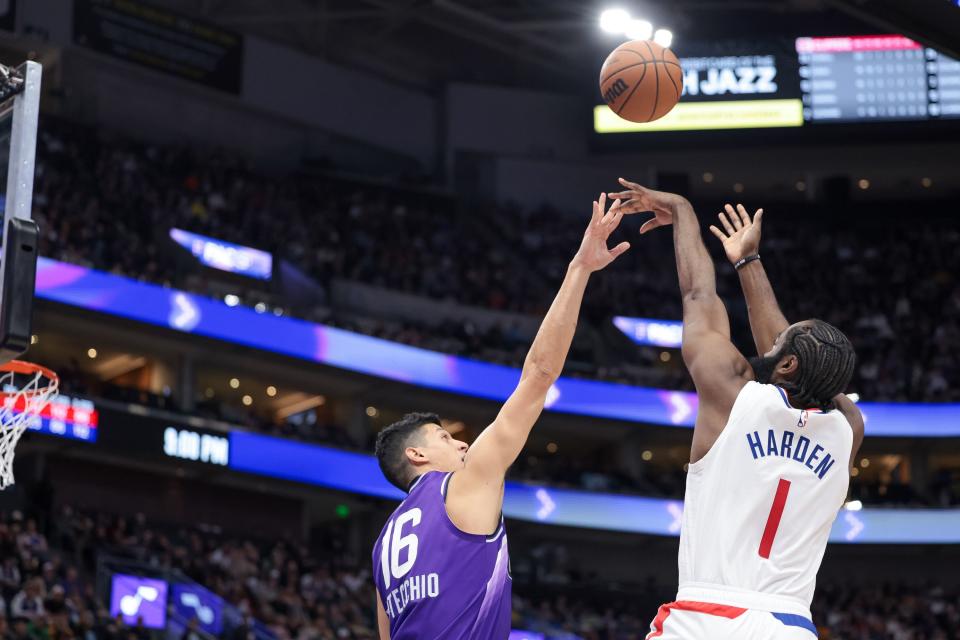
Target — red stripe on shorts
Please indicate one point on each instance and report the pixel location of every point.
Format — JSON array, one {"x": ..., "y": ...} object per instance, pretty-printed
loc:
[{"x": 663, "y": 613}]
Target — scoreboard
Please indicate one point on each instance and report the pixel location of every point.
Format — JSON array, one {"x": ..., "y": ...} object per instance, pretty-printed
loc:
[
  {"x": 862, "y": 78},
  {"x": 810, "y": 81}
]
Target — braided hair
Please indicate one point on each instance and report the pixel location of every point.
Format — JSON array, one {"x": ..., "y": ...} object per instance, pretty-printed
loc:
[{"x": 825, "y": 363}]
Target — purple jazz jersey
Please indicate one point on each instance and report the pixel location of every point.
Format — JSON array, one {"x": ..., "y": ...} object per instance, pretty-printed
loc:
[{"x": 435, "y": 581}]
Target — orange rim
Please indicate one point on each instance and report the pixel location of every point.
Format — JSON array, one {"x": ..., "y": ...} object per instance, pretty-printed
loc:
[{"x": 28, "y": 368}]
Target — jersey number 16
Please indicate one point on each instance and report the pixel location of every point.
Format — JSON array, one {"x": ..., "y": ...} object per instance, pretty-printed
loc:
[{"x": 394, "y": 542}]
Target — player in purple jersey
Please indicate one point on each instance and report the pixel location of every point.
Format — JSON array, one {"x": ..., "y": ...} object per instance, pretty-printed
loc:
[{"x": 441, "y": 563}]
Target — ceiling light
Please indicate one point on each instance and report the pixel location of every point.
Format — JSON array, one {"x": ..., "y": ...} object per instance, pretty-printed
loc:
[
  {"x": 614, "y": 20},
  {"x": 663, "y": 37},
  {"x": 231, "y": 300},
  {"x": 234, "y": 383},
  {"x": 638, "y": 30},
  {"x": 247, "y": 401},
  {"x": 91, "y": 353},
  {"x": 271, "y": 391}
]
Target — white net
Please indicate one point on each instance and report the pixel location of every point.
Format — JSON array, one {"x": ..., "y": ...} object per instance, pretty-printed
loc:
[{"x": 26, "y": 392}]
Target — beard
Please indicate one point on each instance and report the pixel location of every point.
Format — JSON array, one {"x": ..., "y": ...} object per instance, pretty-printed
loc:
[{"x": 764, "y": 366}]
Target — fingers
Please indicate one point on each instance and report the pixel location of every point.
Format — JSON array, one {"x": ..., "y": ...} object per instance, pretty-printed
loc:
[
  {"x": 726, "y": 223},
  {"x": 734, "y": 217},
  {"x": 612, "y": 217},
  {"x": 617, "y": 211},
  {"x": 650, "y": 225},
  {"x": 622, "y": 195},
  {"x": 595, "y": 218},
  {"x": 758, "y": 218},
  {"x": 630, "y": 185},
  {"x": 744, "y": 216},
  {"x": 633, "y": 206},
  {"x": 720, "y": 234},
  {"x": 619, "y": 250}
]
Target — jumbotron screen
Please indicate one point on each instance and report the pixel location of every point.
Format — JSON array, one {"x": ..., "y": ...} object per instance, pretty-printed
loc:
[{"x": 830, "y": 79}]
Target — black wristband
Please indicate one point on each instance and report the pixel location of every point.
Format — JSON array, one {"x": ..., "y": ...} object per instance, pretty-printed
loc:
[{"x": 744, "y": 261}]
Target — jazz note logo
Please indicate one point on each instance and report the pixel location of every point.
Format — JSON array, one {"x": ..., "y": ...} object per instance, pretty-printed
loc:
[
  {"x": 130, "y": 605},
  {"x": 138, "y": 598},
  {"x": 192, "y": 601}
]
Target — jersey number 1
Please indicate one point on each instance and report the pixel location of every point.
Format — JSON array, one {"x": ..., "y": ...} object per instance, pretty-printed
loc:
[
  {"x": 394, "y": 542},
  {"x": 773, "y": 520}
]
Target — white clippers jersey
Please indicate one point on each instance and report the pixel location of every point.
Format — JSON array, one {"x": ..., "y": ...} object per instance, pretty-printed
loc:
[{"x": 759, "y": 506}]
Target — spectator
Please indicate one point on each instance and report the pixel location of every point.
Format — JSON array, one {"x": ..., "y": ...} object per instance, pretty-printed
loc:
[{"x": 28, "y": 603}]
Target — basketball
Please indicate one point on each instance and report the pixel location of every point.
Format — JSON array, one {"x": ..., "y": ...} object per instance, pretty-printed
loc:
[{"x": 641, "y": 81}]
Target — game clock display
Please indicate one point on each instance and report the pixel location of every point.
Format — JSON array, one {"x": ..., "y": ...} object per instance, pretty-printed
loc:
[{"x": 861, "y": 78}]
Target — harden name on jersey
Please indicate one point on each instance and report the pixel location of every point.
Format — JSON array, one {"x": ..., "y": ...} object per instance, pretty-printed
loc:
[{"x": 783, "y": 444}]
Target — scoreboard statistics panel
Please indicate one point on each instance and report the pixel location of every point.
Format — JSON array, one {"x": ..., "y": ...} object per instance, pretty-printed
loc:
[
  {"x": 862, "y": 78},
  {"x": 809, "y": 82}
]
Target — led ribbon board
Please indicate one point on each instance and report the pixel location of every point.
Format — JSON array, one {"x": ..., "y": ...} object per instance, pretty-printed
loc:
[
  {"x": 702, "y": 116},
  {"x": 63, "y": 416},
  {"x": 359, "y": 473},
  {"x": 649, "y": 331},
  {"x": 179, "y": 311},
  {"x": 225, "y": 256}
]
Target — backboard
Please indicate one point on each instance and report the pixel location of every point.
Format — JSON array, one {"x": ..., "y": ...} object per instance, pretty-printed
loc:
[{"x": 19, "y": 111}]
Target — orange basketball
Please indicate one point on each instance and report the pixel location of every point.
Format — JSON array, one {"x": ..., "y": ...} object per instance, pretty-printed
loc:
[{"x": 641, "y": 81}]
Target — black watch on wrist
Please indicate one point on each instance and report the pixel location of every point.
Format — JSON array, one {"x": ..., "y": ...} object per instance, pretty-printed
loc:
[{"x": 744, "y": 261}]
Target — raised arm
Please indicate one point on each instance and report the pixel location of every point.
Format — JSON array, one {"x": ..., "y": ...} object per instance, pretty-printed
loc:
[
  {"x": 383, "y": 622},
  {"x": 475, "y": 494},
  {"x": 741, "y": 242},
  {"x": 718, "y": 369},
  {"x": 703, "y": 311}
]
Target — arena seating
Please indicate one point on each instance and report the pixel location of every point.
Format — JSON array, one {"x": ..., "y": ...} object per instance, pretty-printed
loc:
[
  {"x": 49, "y": 564},
  {"x": 406, "y": 240}
]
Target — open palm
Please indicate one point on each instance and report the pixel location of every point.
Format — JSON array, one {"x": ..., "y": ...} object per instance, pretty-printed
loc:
[
  {"x": 593, "y": 253},
  {"x": 740, "y": 235}
]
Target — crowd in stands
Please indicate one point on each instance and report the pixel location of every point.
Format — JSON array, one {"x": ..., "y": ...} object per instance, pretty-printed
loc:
[
  {"x": 599, "y": 470},
  {"x": 47, "y": 579},
  {"x": 48, "y": 588},
  {"x": 109, "y": 203}
]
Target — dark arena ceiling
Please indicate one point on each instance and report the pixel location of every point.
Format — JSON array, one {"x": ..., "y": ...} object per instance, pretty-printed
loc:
[{"x": 544, "y": 43}]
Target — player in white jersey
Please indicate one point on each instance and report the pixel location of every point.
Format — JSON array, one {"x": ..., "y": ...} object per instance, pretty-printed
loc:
[{"x": 772, "y": 447}]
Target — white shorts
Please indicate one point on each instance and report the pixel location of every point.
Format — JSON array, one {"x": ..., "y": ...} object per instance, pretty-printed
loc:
[{"x": 691, "y": 620}]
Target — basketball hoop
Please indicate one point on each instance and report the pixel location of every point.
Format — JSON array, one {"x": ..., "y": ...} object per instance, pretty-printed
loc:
[{"x": 25, "y": 391}]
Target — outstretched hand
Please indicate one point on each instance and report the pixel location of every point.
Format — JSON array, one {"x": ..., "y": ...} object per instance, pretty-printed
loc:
[
  {"x": 638, "y": 199},
  {"x": 741, "y": 235},
  {"x": 593, "y": 254}
]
